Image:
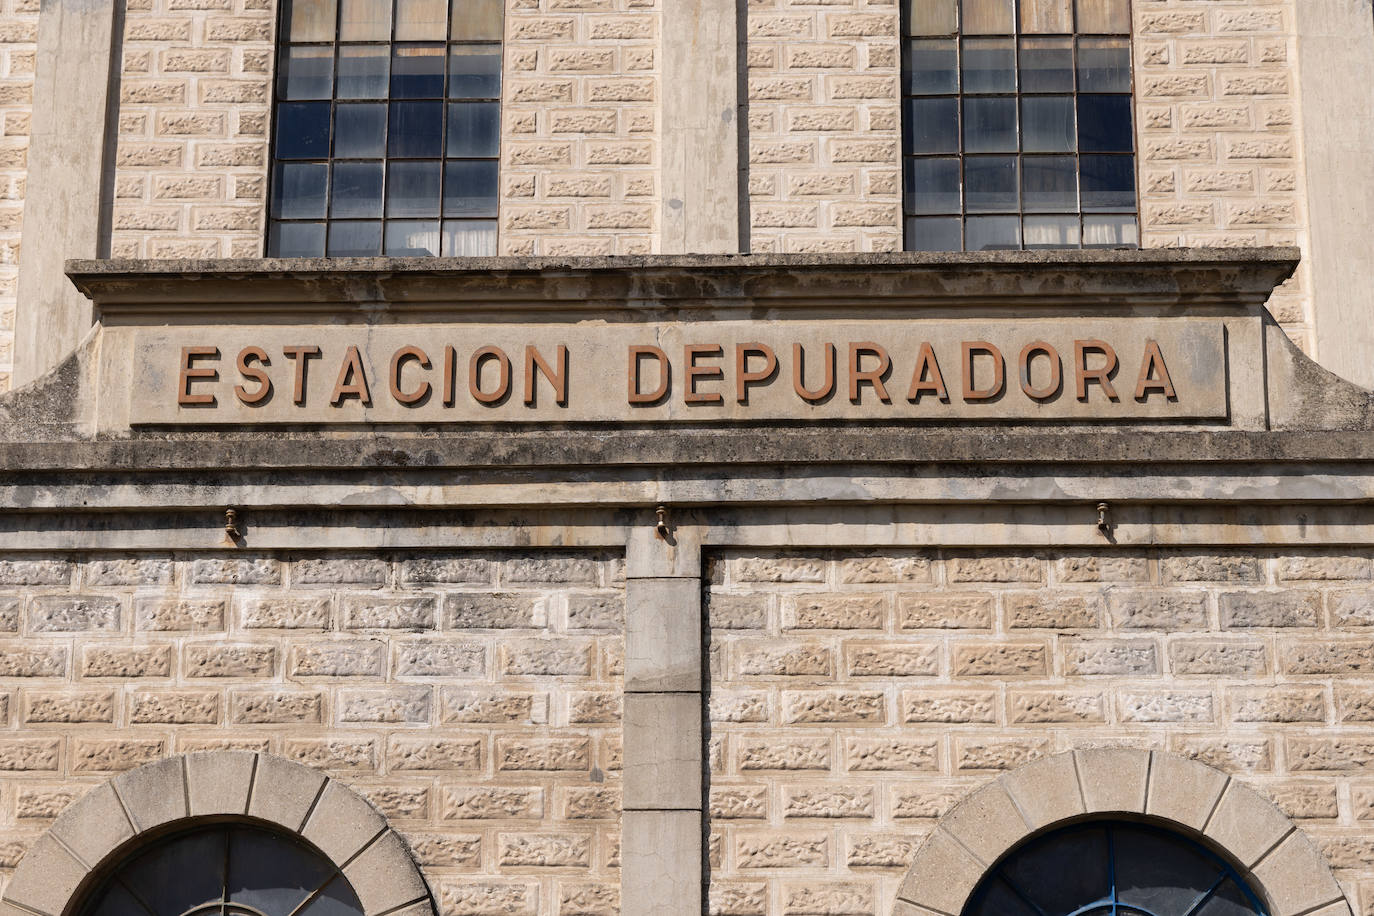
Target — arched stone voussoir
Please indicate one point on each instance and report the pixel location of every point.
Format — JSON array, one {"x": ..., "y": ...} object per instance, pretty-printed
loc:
[
  {"x": 1282, "y": 863},
  {"x": 109, "y": 821}
]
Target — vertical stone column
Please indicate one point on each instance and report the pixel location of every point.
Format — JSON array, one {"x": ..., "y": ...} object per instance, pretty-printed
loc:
[
  {"x": 66, "y": 205},
  {"x": 661, "y": 824},
  {"x": 700, "y": 128}
]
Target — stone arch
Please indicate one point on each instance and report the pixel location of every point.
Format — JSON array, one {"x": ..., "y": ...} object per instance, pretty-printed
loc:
[
  {"x": 1205, "y": 803},
  {"x": 152, "y": 800}
]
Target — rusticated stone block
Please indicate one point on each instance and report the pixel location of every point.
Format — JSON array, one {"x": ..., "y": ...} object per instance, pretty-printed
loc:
[
  {"x": 285, "y": 613},
  {"x": 1333, "y": 656},
  {"x": 543, "y": 754},
  {"x": 393, "y": 703},
  {"x": 429, "y": 753},
  {"x": 35, "y": 572},
  {"x": 103, "y": 755},
  {"x": 1211, "y": 568},
  {"x": 898, "y": 659},
  {"x": 353, "y": 658},
  {"x": 995, "y": 569},
  {"x": 551, "y": 850},
  {"x": 1309, "y": 800},
  {"x": 492, "y": 706},
  {"x": 550, "y": 570},
  {"x": 1158, "y": 609},
  {"x": 69, "y": 706},
  {"x": 1234, "y": 658},
  {"x": 132, "y": 570},
  {"x": 596, "y": 612},
  {"x": 1166, "y": 706},
  {"x": 1001, "y": 660},
  {"x": 944, "y": 612},
  {"x": 335, "y": 570},
  {"x": 1270, "y": 609},
  {"x": 925, "y": 802},
  {"x": 737, "y": 898},
  {"x": 834, "y": 706},
  {"x": 789, "y": 850},
  {"x": 1119, "y": 657},
  {"x": 388, "y": 612},
  {"x": 828, "y": 898},
  {"x": 1323, "y": 566},
  {"x": 492, "y": 802},
  {"x": 590, "y": 707},
  {"x": 169, "y": 614},
  {"x": 1351, "y": 608},
  {"x": 783, "y": 659},
  {"x": 439, "y": 658},
  {"x": 489, "y": 898},
  {"x": 1102, "y": 568},
  {"x": 485, "y": 610},
  {"x": 1034, "y": 707},
  {"x": 351, "y": 754},
  {"x": 864, "y": 570},
  {"x": 736, "y": 612},
  {"x": 739, "y": 706},
  {"x": 949, "y": 706},
  {"x": 453, "y": 850},
  {"x": 11, "y": 609},
  {"x": 891, "y": 754},
  {"x": 1348, "y": 753},
  {"x": 998, "y": 753},
  {"x": 1278, "y": 704},
  {"x": 589, "y": 899},
  {"x": 174, "y": 707},
  {"x": 827, "y": 802},
  {"x": 1048, "y": 610},
  {"x": 216, "y": 660},
  {"x": 778, "y": 569},
  {"x": 121, "y": 661},
  {"x": 36, "y": 661},
  {"x": 236, "y": 571},
  {"x": 398, "y": 802},
  {"x": 448, "y": 570},
  {"x": 1230, "y": 754},
  {"x": 262, "y": 707},
  {"x": 835, "y": 612},
  {"x": 738, "y": 802},
  {"x": 74, "y": 614},
  {"x": 29, "y": 754},
  {"x": 771, "y": 753},
  {"x": 44, "y": 802},
  {"x": 591, "y": 803}
]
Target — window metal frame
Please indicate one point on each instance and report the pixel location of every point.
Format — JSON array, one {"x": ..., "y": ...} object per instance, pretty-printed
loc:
[
  {"x": 960, "y": 96},
  {"x": 281, "y": 53}
]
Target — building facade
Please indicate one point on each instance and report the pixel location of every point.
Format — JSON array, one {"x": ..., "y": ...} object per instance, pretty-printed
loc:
[{"x": 584, "y": 457}]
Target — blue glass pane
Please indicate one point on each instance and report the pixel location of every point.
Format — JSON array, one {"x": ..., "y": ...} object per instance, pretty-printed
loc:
[
  {"x": 296, "y": 240},
  {"x": 355, "y": 238},
  {"x": 412, "y": 189},
  {"x": 306, "y": 73},
  {"x": 412, "y": 238},
  {"x": 299, "y": 190},
  {"x": 417, "y": 71},
  {"x": 932, "y": 185},
  {"x": 1046, "y": 65},
  {"x": 990, "y": 184},
  {"x": 469, "y": 238},
  {"x": 337, "y": 899},
  {"x": 1039, "y": 871},
  {"x": 998, "y": 900},
  {"x": 1049, "y": 184},
  {"x": 470, "y": 188},
  {"x": 989, "y": 125},
  {"x": 1157, "y": 873},
  {"x": 1104, "y": 65},
  {"x": 934, "y": 125},
  {"x": 117, "y": 902},
  {"x": 357, "y": 190},
  {"x": 474, "y": 129},
  {"x": 363, "y": 71},
  {"x": 416, "y": 130},
  {"x": 989, "y": 65},
  {"x": 178, "y": 876},
  {"x": 302, "y": 130},
  {"x": 474, "y": 72},
  {"x": 1108, "y": 182},
  {"x": 271, "y": 874},
  {"x": 934, "y": 67},
  {"x": 1104, "y": 124},
  {"x": 925, "y": 233},
  {"x": 360, "y": 130},
  {"x": 992, "y": 233},
  {"x": 1228, "y": 900},
  {"x": 1047, "y": 124}
]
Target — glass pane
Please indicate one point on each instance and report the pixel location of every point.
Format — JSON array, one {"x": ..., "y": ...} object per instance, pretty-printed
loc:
[
  {"x": 934, "y": 67},
  {"x": 470, "y": 188},
  {"x": 989, "y": 65},
  {"x": 310, "y": 20},
  {"x": 988, "y": 17},
  {"x": 474, "y": 72},
  {"x": 1104, "y": 124},
  {"x": 933, "y": 234},
  {"x": 421, "y": 20},
  {"x": 1047, "y": 65},
  {"x": 302, "y": 130},
  {"x": 415, "y": 129},
  {"x": 412, "y": 189},
  {"x": 998, "y": 900},
  {"x": 474, "y": 129},
  {"x": 932, "y": 17},
  {"x": 992, "y": 233},
  {"x": 299, "y": 190},
  {"x": 355, "y": 239},
  {"x": 417, "y": 72},
  {"x": 1104, "y": 65},
  {"x": 1156, "y": 872},
  {"x": 469, "y": 238},
  {"x": 989, "y": 125},
  {"x": 365, "y": 20},
  {"x": 1049, "y": 184},
  {"x": 181, "y": 875},
  {"x": 337, "y": 899},
  {"x": 360, "y": 131},
  {"x": 1047, "y": 124},
  {"x": 932, "y": 185},
  {"x": 1039, "y": 870},
  {"x": 990, "y": 184},
  {"x": 1104, "y": 16},
  {"x": 1110, "y": 232},
  {"x": 934, "y": 125},
  {"x": 363, "y": 72},
  {"x": 1052, "y": 232},
  {"x": 413, "y": 239},
  {"x": 306, "y": 73},
  {"x": 271, "y": 874},
  {"x": 296, "y": 240},
  {"x": 1228, "y": 900},
  {"x": 357, "y": 190},
  {"x": 116, "y": 901},
  {"x": 1108, "y": 182},
  {"x": 477, "y": 20},
  {"x": 1047, "y": 16}
]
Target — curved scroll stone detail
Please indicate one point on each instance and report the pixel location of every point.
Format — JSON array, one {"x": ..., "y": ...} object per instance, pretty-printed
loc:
[
  {"x": 179, "y": 791},
  {"x": 1191, "y": 797}
]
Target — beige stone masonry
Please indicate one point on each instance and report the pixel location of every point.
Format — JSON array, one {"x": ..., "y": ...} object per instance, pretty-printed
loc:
[{"x": 18, "y": 43}]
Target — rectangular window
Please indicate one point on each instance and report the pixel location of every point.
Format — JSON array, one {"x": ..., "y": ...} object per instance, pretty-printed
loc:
[
  {"x": 386, "y": 129},
  {"x": 1018, "y": 125}
]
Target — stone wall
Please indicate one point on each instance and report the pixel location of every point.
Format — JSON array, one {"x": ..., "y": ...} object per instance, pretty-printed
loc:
[
  {"x": 18, "y": 42},
  {"x": 474, "y": 699},
  {"x": 857, "y": 698}
]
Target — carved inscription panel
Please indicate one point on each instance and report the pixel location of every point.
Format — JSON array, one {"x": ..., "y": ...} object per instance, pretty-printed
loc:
[{"x": 985, "y": 369}]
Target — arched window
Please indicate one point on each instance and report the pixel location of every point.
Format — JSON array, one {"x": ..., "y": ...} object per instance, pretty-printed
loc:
[
  {"x": 1113, "y": 868},
  {"x": 224, "y": 870}
]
